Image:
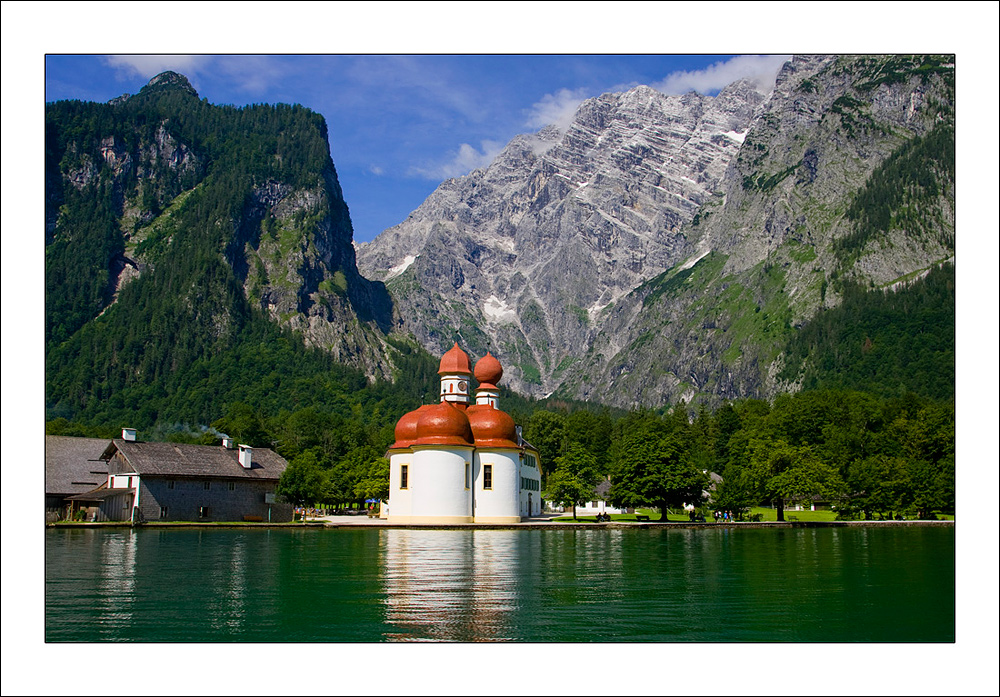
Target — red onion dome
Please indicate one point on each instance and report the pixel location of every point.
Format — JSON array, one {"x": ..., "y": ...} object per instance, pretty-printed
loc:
[
  {"x": 488, "y": 371},
  {"x": 455, "y": 361},
  {"x": 443, "y": 424},
  {"x": 406, "y": 428},
  {"x": 491, "y": 427}
]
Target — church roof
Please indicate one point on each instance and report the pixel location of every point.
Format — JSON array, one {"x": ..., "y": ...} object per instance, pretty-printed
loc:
[
  {"x": 491, "y": 427},
  {"x": 488, "y": 371},
  {"x": 406, "y": 428},
  {"x": 443, "y": 424},
  {"x": 455, "y": 361}
]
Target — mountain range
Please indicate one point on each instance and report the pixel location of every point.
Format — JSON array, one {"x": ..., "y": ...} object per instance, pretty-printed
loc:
[
  {"x": 667, "y": 247},
  {"x": 657, "y": 248}
]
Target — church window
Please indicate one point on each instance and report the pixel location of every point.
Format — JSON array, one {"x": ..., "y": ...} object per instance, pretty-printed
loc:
[
  {"x": 466, "y": 475},
  {"x": 487, "y": 476},
  {"x": 404, "y": 476}
]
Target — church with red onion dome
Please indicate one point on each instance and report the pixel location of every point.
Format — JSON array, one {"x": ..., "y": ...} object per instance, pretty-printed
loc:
[{"x": 454, "y": 463}]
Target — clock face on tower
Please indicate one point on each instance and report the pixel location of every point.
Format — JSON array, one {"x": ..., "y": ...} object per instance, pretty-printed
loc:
[{"x": 463, "y": 386}]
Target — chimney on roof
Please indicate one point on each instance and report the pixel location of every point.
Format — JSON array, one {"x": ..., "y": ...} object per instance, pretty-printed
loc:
[
  {"x": 246, "y": 456},
  {"x": 128, "y": 434},
  {"x": 227, "y": 442}
]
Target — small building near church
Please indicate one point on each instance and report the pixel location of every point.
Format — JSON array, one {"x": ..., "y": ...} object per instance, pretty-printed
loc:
[
  {"x": 599, "y": 505},
  {"x": 148, "y": 482},
  {"x": 72, "y": 467},
  {"x": 455, "y": 463}
]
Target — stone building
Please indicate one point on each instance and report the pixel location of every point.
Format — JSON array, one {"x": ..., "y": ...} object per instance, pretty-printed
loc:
[
  {"x": 455, "y": 463},
  {"x": 173, "y": 481}
]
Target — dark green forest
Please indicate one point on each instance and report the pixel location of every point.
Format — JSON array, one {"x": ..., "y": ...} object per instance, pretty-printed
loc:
[
  {"x": 182, "y": 341},
  {"x": 886, "y": 343}
]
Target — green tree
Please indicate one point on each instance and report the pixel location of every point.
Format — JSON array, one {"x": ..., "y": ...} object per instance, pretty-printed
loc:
[
  {"x": 652, "y": 464},
  {"x": 303, "y": 483},
  {"x": 780, "y": 472},
  {"x": 880, "y": 485},
  {"x": 374, "y": 484},
  {"x": 932, "y": 486},
  {"x": 546, "y": 430},
  {"x": 574, "y": 478},
  {"x": 243, "y": 423},
  {"x": 592, "y": 431},
  {"x": 350, "y": 471}
]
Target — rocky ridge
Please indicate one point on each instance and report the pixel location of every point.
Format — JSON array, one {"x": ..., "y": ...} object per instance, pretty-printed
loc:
[
  {"x": 289, "y": 243},
  {"x": 665, "y": 248},
  {"x": 767, "y": 253},
  {"x": 525, "y": 255}
]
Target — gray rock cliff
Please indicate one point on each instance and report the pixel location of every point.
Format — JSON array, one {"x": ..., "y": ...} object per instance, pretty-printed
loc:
[
  {"x": 524, "y": 255},
  {"x": 665, "y": 247}
]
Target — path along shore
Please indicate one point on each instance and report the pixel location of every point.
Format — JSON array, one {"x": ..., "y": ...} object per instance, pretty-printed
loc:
[{"x": 536, "y": 523}]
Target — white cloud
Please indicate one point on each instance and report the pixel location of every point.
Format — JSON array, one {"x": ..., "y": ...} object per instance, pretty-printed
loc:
[
  {"x": 761, "y": 69},
  {"x": 148, "y": 66},
  {"x": 421, "y": 86},
  {"x": 556, "y": 109},
  {"x": 376, "y": 170},
  {"x": 466, "y": 160},
  {"x": 253, "y": 75}
]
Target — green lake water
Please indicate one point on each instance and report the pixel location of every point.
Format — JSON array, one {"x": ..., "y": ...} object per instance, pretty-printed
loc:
[{"x": 856, "y": 584}]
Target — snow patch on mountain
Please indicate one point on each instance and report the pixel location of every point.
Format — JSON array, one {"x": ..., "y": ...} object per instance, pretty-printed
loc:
[
  {"x": 401, "y": 267},
  {"x": 496, "y": 310}
]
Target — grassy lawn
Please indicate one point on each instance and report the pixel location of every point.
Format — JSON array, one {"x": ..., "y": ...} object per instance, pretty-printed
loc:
[
  {"x": 771, "y": 514},
  {"x": 767, "y": 514},
  {"x": 654, "y": 516}
]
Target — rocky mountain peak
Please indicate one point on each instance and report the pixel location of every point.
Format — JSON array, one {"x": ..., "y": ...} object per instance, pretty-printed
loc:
[
  {"x": 525, "y": 254},
  {"x": 662, "y": 247},
  {"x": 169, "y": 80}
]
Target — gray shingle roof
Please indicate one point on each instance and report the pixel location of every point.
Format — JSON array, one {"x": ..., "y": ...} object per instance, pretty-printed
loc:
[
  {"x": 72, "y": 465},
  {"x": 101, "y": 494},
  {"x": 178, "y": 459},
  {"x": 602, "y": 490}
]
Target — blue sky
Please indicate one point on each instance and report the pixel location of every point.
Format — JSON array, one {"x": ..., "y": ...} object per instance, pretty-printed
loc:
[{"x": 400, "y": 124}]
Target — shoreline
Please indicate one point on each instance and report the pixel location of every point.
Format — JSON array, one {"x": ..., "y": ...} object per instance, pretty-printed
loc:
[{"x": 527, "y": 525}]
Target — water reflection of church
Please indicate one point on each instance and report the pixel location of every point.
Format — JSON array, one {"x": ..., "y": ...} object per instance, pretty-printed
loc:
[
  {"x": 456, "y": 463},
  {"x": 458, "y": 585}
]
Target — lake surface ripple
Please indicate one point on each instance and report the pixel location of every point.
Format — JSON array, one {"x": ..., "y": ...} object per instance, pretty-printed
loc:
[{"x": 857, "y": 584}]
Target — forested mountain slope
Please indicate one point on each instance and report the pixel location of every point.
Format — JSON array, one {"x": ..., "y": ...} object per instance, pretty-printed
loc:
[
  {"x": 192, "y": 250},
  {"x": 659, "y": 249}
]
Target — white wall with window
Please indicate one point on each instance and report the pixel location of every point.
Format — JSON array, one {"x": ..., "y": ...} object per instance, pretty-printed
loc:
[{"x": 497, "y": 486}]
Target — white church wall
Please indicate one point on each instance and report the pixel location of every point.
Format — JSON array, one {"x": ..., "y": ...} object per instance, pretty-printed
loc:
[
  {"x": 400, "y": 500},
  {"x": 498, "y": 504},
  {"x": 437, "y": 485}
]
